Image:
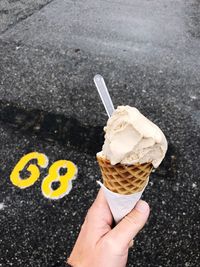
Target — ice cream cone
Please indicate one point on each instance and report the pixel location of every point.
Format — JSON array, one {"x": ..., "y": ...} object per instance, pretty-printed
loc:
[{"x": 124, "y": 179}]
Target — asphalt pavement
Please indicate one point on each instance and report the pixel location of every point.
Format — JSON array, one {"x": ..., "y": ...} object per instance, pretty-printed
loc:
[{"x": 149, "y": 55}]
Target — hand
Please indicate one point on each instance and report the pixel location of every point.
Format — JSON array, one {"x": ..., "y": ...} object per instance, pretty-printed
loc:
[{"x": 98, "y": 244}]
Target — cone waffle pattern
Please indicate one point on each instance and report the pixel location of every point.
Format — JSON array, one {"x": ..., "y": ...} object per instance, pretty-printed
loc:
[{"x": 124, "y": 179}]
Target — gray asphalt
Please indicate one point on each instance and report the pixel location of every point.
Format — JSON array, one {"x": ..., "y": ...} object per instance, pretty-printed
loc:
[{"x": 149, "y": 54}]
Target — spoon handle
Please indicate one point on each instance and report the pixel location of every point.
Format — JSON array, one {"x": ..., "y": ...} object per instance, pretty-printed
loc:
[{"x": 104, "y": 94}]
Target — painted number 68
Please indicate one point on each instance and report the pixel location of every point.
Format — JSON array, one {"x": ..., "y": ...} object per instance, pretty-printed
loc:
[{"x": 65, "y": 180}]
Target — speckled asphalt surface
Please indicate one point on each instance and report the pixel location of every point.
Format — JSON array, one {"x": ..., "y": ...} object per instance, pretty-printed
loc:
[{"x": 149, "y": 54}]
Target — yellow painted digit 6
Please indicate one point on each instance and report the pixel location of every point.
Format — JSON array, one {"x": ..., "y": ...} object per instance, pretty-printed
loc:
[
  {"x": 54, "y": 176},
  {"x": 15, "y": 178}
]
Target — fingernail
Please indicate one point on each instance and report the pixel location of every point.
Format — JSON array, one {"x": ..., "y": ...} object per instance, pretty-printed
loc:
[
  {"x": 131, "y": 243},
  {"x": 142, "y": 206}
]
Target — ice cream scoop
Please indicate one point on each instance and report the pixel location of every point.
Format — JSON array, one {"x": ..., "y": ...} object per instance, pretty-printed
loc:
[{"x": 131, "y": 138}]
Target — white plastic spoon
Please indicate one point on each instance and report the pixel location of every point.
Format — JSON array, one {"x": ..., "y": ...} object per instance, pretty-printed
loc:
[{"x": 104, "y": 94}]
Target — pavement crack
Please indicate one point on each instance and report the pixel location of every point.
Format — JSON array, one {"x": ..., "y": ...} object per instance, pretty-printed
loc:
[{"x": 17, "y": 11}]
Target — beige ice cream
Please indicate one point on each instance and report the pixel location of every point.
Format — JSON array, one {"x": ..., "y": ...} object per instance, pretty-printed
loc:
[{"x": 132, "y": 138}]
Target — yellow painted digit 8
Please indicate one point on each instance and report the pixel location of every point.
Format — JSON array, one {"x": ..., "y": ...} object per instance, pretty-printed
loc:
[
  {"x": 54, "y": 176},
  {"x": 15, "y": 178}
]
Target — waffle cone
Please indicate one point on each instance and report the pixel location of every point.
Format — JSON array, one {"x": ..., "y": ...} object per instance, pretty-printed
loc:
[{"x": 124, "y": 179}]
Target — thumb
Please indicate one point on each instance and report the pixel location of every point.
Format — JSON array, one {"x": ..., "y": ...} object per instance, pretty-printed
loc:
[{"x": 130, "y": 225}]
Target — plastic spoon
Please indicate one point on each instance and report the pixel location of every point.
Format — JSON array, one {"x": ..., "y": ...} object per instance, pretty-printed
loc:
[{"x": 104, "y": 94}]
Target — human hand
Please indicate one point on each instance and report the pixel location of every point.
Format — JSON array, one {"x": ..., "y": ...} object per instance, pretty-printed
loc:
[{"x": 98, "y": 244}]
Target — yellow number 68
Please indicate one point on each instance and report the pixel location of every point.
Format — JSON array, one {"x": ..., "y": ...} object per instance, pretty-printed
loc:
[{"x": 54, "y": 175}]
